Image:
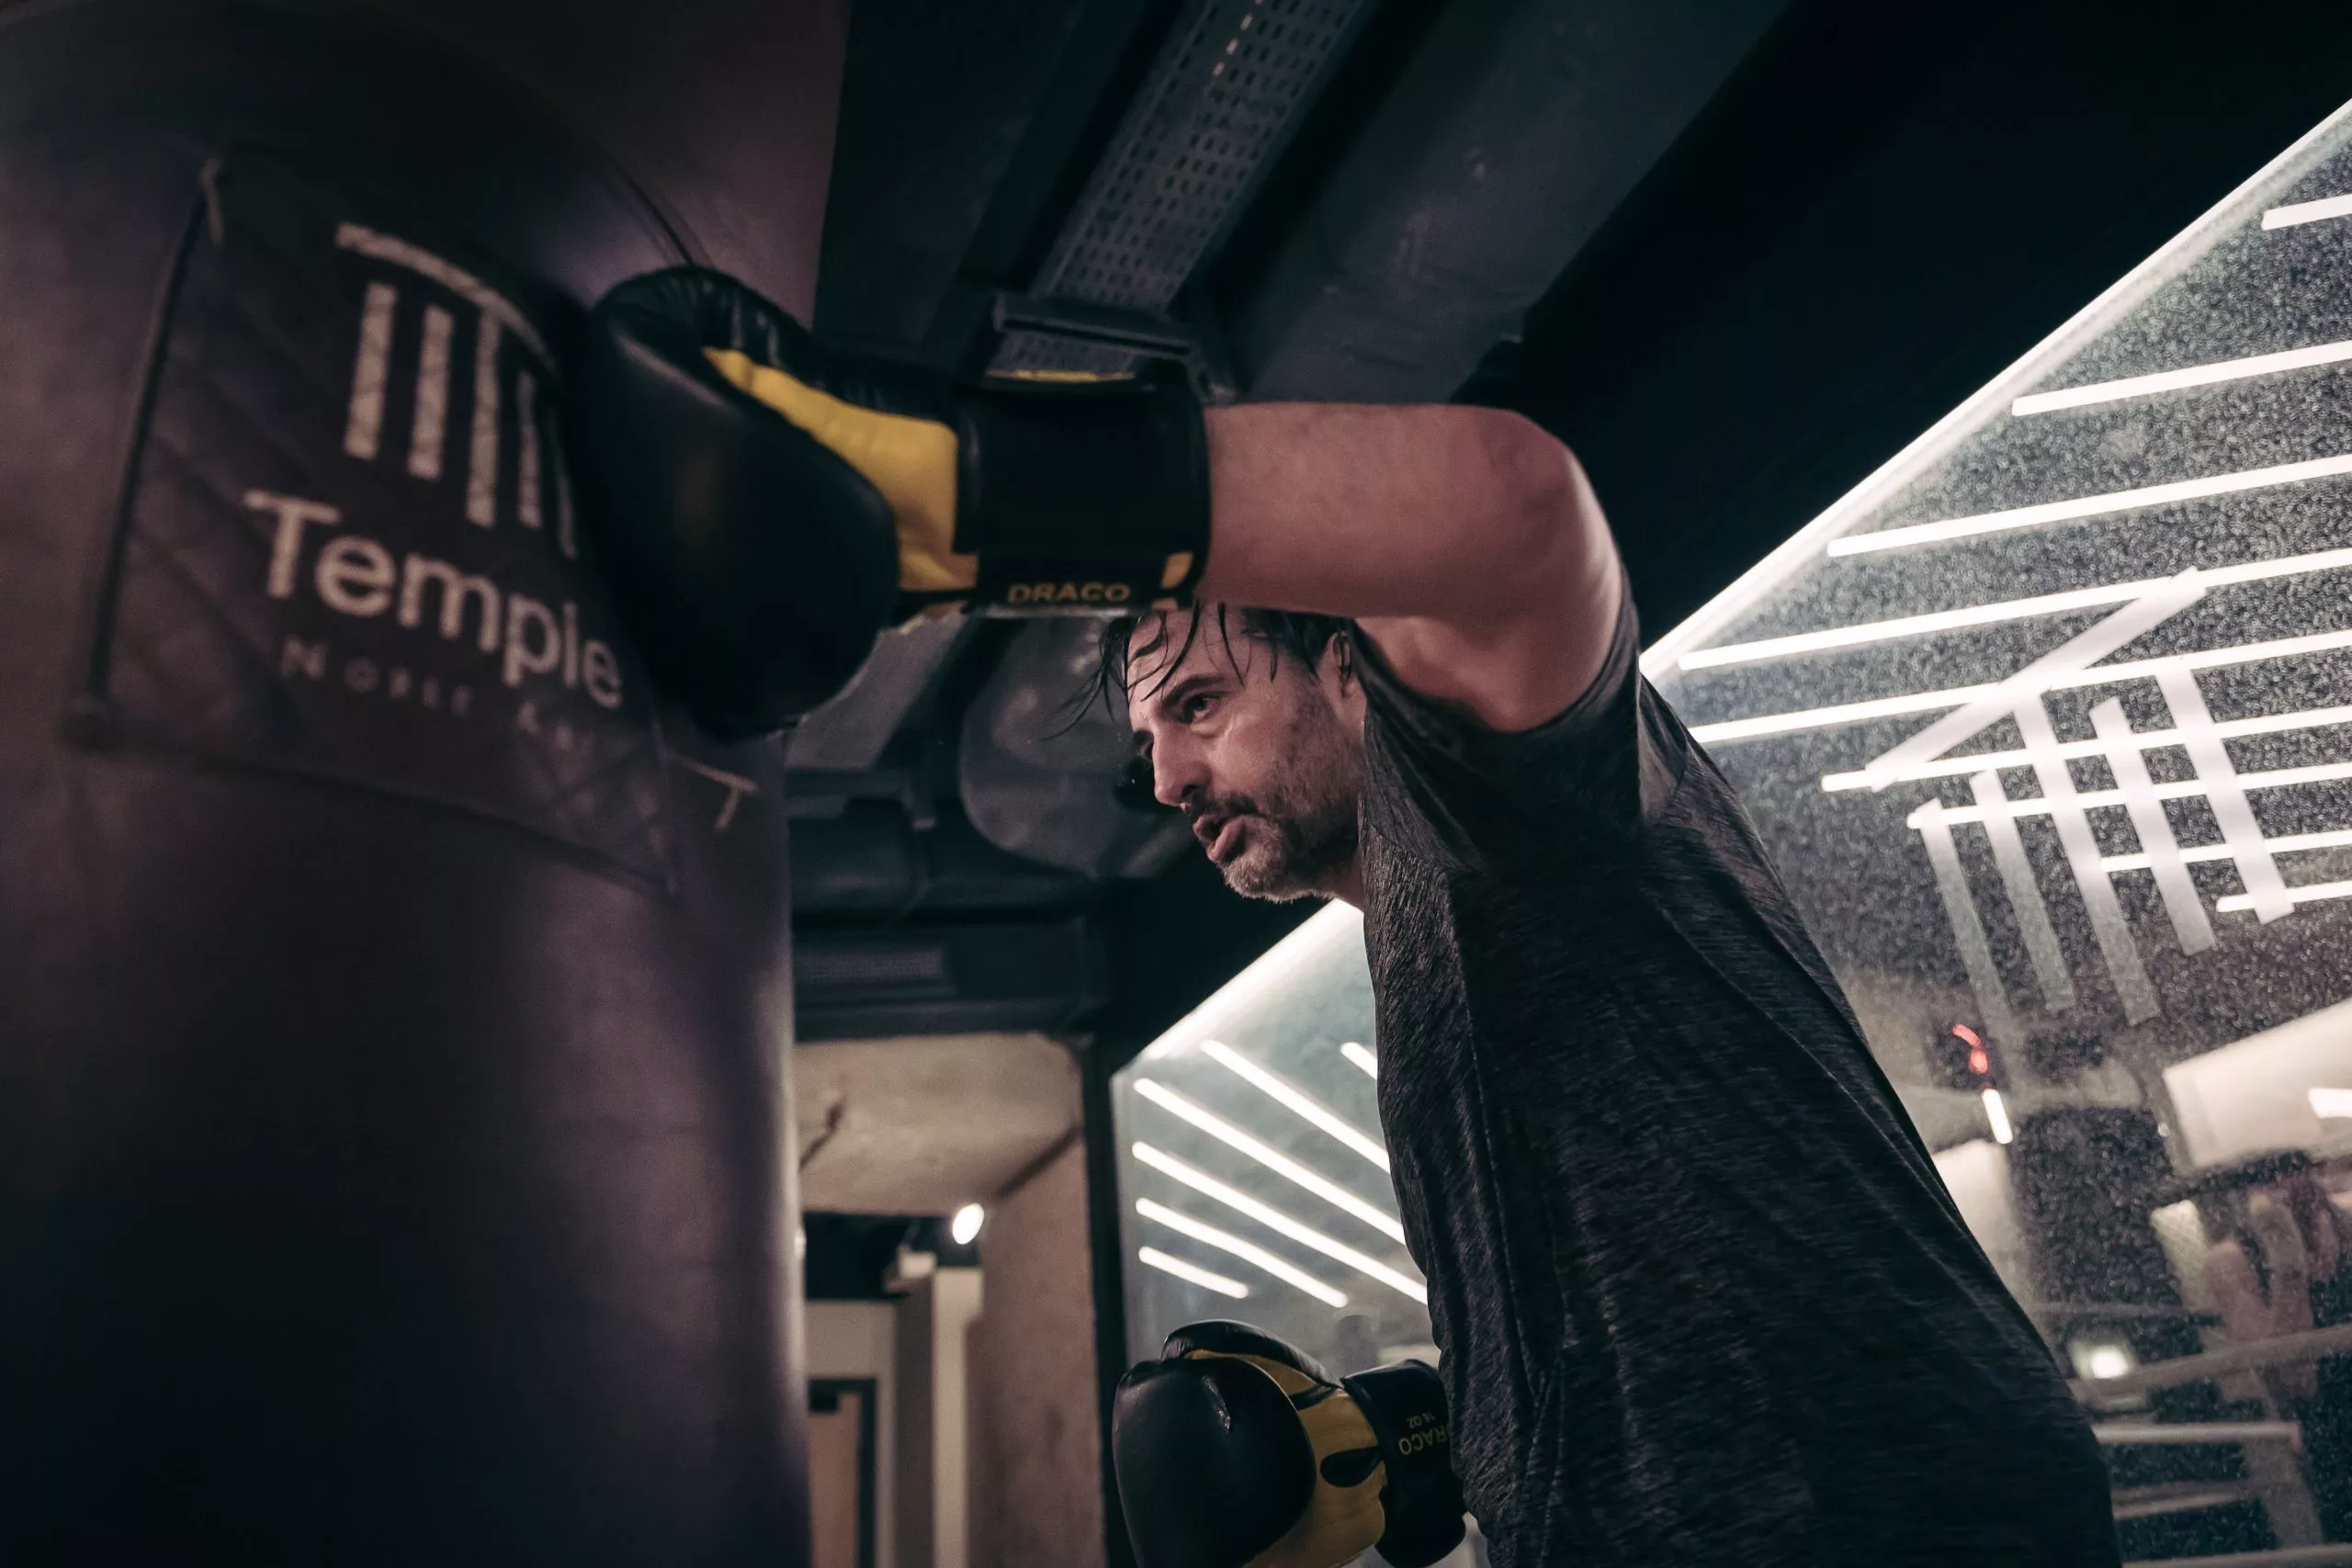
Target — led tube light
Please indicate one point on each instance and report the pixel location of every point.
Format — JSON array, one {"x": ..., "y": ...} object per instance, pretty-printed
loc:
[
  {"x": 2145, "y": 739},
  {"x": 1956, "y": 696},
  {"x": 1293, "y": 1099},
  {"x": 1282, "y": 1164},
  {"x": 1273, "y": 1219},
  {"x": 2175, "y": 380},
  {"x": 1901, "y": 627},
  {"x": 2177, "y": 789},
  {"x": 2203, "y": 487},
  {"x": 2311, "y": 892},
  {"x": 1248, "y": 1252},
  {"x": 2300, "y": 212},
  {"x": 1997, "y": 1113},
  {"x": 1191, "y": 1271}
]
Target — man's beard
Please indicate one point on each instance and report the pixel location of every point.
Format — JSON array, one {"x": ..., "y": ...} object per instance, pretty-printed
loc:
[{"x": 1299, "y": 831}]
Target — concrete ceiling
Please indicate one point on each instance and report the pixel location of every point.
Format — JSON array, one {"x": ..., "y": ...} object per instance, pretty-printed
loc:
[{"x": 925, "y": 1124}]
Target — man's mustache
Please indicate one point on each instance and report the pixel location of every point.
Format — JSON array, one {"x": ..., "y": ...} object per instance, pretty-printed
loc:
[{"x": 1219, "y": 810}]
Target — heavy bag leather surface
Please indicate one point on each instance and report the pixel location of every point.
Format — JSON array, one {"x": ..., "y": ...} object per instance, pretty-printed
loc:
[{"x": 393, "y": 999}]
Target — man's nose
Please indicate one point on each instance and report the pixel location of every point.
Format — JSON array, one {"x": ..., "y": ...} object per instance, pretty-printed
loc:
[{"x": 1176, "y": 777}]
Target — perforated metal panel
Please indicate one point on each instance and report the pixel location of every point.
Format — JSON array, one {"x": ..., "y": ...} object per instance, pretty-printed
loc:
[{"x": 1226, "y": 91}]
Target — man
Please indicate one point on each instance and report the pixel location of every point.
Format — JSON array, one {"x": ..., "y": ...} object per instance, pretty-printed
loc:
[
  {"x": 1700, "y": 1293},
  {"x": 1701, "y": 1296}
]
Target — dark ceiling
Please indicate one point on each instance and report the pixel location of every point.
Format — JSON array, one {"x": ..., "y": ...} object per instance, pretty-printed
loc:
[{"x": 1735, "y": 252}]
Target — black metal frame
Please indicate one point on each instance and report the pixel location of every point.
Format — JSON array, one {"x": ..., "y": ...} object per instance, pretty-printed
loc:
[
  {"x": 1189, "y": 336},
  {"x": 1108, "y": 1261}
]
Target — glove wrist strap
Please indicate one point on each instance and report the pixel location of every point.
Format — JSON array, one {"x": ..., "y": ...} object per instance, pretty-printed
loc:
[{"x": 1084, "y": 497}]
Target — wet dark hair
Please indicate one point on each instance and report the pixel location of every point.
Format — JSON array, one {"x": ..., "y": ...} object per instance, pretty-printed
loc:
[
  {"x": 1294, "y": 632},
  {"x": 1302, "y": 635}
]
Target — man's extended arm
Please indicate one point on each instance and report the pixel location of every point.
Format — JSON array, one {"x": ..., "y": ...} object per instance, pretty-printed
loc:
[
  {"x": 767, "y": 504},
  {"x": 1465, "y": 541}
]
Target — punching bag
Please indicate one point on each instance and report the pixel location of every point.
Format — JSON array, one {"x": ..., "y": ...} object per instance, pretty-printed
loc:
[{"x": 395, "y": 1000}]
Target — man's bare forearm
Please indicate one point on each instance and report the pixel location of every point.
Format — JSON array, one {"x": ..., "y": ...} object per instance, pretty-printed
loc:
[{"x": 1465, "y": 541}]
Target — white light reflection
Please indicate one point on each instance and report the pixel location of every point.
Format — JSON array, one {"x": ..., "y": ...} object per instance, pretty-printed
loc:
[
  {"x": 1292, "y": 1097},
  {"x": 1248, "y": 1252},
  {"x": 1273, "y": 1219},
  {"x": 1225, "y": 1132},
  {"x": 1191, "y": 1271},
  {"x": 1361, "y": 1057}
]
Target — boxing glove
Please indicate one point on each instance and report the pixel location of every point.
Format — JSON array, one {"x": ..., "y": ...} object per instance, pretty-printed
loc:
[
  {"x": 1235, "y": 1449},
  {"x": 767, "y": 504}
]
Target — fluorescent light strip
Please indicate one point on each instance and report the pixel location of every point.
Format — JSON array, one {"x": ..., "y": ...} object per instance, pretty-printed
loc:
[
  {"x": 2007, "y": 609},
  {"x": 2180, "y": 789},
  {"x": 2184, "y": 905},
  {"x": 2330, "y": 1102},
  {"x": 2235, "y": 903},
  {"x": 2081, "y": 507},
  {"x": 1282, "y": 1164},
  {"x": 1362, "y": 1059},
  {"x": 2175, "y": 380},
  {"x": 1193, "y": 1273},
  {"x": 1293, "y": 1098},
  {"x": 2300, "y": 212},
  {"x": 1248, "y": 1251},
  {"x": 1917, "y": 625},
  {"x": 1273, "y": 1219},
  {"x": 1997, "y": 1114},
  {"x": 1956, "y": 696},
  {"x": 2232, "y": 813},
  {"x": 2285, "y": 845},
  {"x": 2103, "y": 640},
  {"x": 2145, "y": 739}
]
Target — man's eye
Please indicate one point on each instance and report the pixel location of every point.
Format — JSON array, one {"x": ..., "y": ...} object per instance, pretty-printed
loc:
[{"x": 1197, "y": 705}]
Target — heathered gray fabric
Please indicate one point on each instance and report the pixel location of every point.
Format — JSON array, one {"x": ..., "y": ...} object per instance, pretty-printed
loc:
[{"x": 1701, "y": 1296}]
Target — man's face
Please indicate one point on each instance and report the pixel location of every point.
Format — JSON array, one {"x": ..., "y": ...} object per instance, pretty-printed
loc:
[{"x": 1265, "y": 762}]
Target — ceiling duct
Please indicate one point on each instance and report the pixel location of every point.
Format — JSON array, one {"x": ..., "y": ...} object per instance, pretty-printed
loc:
[{"x": 1224, "y": 97}]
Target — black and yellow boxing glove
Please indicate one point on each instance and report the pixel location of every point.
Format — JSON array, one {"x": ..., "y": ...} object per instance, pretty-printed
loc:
[
  {"x": 1235, "y": 1450},
  {"x": 768, "y": 504}
]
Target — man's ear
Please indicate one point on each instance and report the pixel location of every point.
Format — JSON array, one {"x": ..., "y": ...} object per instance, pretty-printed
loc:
[{"x": 1341, "y": 651}]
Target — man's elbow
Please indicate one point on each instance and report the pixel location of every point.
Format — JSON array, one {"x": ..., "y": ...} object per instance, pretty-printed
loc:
[{"x": 1545, "y": 520}]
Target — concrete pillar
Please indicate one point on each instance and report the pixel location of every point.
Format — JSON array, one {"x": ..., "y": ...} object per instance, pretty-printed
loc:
[{"x": 1036, "y": 1448}]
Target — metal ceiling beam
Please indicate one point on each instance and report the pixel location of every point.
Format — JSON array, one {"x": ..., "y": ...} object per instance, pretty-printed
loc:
[{"x": 1228, "y": 91}]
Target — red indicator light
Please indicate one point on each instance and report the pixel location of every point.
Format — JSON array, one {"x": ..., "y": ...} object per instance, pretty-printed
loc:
[
  {"x": 1970, "y": 1036},
  {"x": 1979, "y": 1062}
]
